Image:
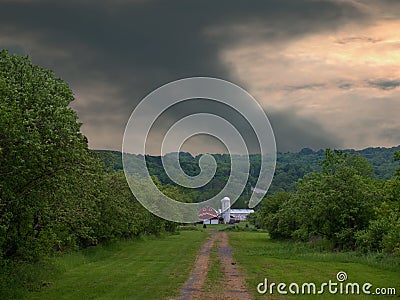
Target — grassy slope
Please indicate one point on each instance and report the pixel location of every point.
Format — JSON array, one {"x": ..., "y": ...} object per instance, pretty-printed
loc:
[
  {"x": 287, "y": 262},
  {"x": 149, "y": 269}
]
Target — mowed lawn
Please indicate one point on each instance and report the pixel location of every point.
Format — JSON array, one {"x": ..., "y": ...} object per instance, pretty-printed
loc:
[
  {"x": 287, "y": 262},
  {"x": 153, "y": 268}
]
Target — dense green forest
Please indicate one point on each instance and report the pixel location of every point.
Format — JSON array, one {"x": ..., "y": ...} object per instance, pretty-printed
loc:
[{"x": 290, "y": 168}]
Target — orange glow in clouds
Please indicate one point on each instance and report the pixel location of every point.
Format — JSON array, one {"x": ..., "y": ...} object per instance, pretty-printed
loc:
[{"x": 345, "y": 79}]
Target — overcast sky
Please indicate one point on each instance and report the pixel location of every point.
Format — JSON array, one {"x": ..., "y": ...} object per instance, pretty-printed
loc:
[{"x": 327, "y": 73}]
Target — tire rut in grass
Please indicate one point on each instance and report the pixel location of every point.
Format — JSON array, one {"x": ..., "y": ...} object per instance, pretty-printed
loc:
[{"x": 204, "y": 285}]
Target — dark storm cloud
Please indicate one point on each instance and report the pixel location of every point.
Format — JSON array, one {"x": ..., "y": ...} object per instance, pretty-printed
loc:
[
  {"x": 384, "y": 84},
  {"x": 136, "y": 46},
  {"x": 292, "y": 137},
  {"x": 165, "y": 36}
]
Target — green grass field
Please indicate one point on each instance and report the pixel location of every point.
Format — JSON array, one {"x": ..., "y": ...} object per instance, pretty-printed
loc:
[
  {"x": 156, "y": 268},
  {"x": 259, "y": 258},
  {"x": 153, "y": 268}
]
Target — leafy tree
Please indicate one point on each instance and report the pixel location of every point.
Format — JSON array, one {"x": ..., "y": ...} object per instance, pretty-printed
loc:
[
  {"x": 276, "y": 216},
  {"x": 121, "y": 215},
  {"x": 43, "y": 154},
  {"x": 337, "y": 202},
  {"x": 383, "y": 233}
]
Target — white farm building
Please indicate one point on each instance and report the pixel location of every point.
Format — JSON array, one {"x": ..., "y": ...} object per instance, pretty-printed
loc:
[{"x": 240, "y": 214}]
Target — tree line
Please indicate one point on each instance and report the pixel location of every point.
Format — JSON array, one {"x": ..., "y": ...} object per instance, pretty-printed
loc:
[{"x": 290, "y": 167}]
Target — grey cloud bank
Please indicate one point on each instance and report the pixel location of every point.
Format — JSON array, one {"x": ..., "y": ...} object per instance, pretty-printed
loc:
[{"x": 114, "y": 53}]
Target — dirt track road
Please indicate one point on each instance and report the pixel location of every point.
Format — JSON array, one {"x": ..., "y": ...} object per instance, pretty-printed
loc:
[{"x": 233, "y": 285}]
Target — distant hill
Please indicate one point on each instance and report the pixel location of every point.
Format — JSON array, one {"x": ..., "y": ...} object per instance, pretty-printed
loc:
[{"x": 289, "y": 168}]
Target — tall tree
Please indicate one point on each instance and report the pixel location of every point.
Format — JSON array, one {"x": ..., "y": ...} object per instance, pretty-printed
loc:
[{"x": 43, "y": 159}]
